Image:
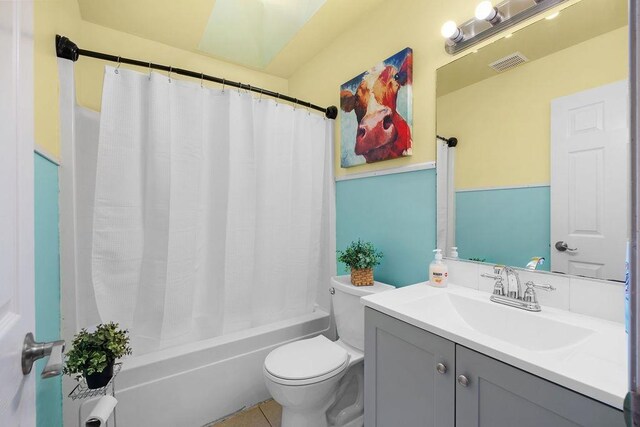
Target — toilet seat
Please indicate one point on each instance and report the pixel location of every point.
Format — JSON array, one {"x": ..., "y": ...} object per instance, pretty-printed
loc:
[{"x": 306, "y": 361}]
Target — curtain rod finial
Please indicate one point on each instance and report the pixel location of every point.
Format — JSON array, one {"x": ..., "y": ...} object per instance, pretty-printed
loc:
[
  {"x": 66, "y": 49},
  {"x": 331, "y": 112}
]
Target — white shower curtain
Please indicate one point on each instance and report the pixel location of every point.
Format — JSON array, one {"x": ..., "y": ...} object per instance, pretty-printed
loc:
[{"x": 210, "y": 209}]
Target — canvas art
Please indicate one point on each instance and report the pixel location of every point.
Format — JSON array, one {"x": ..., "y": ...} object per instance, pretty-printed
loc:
[{"x": 376, "y": 112}]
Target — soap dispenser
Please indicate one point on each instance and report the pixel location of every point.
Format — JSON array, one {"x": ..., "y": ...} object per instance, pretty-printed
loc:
[{"x": 438, "y": 271}]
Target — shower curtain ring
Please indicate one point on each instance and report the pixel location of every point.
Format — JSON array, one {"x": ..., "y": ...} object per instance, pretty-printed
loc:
[
  {"x": 149, "y": 70},
  {"x": 201, "y": 79},
  {"x": 260, "y": 97},
  {"x": 170, "y": 70},
  {"x": 277, "y": 99},
  {"x": 249, "y": 90},
  {"x": 295, "y": 103},
  {"x": 223, "y": 82},
  {"x": 117, "y": 66}
]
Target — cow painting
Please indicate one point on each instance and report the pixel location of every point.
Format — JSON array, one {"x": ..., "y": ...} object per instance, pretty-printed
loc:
[{"x": 376, "y": 116}]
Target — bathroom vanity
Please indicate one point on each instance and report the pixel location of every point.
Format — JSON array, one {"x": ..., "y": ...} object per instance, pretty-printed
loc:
[{"x": 445, "y": 357}]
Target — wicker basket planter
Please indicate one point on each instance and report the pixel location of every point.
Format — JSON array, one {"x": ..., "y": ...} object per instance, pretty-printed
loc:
[{"x": 362, "y": 277}]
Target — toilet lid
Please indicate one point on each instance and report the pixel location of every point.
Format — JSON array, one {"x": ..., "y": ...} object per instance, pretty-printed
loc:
[{"x": 306, "y": 359}]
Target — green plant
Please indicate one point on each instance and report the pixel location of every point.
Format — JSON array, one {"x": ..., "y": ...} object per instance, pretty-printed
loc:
[
  {"x": 92, "y": 352},
  {"x": 477, "y": 259},
  {"x": 360, "y": 255}
]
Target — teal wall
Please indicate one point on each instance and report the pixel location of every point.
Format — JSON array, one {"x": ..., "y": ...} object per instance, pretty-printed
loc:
[
  {"x": 504, "y": 226},
  {"x": 397, "y": 213},
  {"x": 47, "y": 286}
]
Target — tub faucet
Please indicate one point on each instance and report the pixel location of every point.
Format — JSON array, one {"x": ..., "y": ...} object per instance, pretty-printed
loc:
[{"x": 535, "y": 262}]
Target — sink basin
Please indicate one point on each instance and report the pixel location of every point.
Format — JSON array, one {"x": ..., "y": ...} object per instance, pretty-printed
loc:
[{"x": 531, "y": 331}]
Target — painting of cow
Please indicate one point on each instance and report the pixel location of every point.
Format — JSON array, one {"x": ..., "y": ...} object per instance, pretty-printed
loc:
[{"x": 376, "y": 112}]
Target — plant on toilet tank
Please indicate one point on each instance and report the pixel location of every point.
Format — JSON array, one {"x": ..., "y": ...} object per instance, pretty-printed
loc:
[
  {"x": 360, "y": 257},
  {"x": 93, "y": 354}
]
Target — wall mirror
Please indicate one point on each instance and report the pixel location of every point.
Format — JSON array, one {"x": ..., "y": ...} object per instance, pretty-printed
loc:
[{"x": 541, "y": 166}]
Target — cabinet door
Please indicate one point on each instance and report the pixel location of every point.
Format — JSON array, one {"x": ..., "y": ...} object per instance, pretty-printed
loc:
[
  {"x": 403, "y": 387},
  {"x": 499, "y": 395}
]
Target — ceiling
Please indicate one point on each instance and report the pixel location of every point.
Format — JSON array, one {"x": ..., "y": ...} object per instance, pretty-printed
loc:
[
  {"x": 577, "y": 23},
  {"x": 274, "y": 36}
]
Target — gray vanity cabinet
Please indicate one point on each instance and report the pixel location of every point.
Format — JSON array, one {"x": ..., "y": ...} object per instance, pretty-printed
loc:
[
  {"x": 403, "y": 386},
  {"x": 406, "y": 387},
  {"x": 499, "y": 395}
]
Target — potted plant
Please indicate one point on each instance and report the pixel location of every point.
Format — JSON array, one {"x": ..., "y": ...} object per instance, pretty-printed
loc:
[
  {"x": 93, "y": 354},
  {"x": 360, "y": 257}
]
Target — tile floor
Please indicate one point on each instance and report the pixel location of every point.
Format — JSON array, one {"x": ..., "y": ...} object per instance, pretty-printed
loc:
[{"x": 265, "y": 414}]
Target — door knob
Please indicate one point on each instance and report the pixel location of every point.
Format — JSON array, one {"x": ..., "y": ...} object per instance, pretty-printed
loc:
[
  {"x": 32, "y": 351},
  {"x": 441, "y": 368},
  {"x": 463, "y": 381},
  {"x": 562, "y": 246}
]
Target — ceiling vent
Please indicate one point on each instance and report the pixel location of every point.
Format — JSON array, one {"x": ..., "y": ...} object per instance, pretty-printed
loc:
[{"x": 509, "y": 62}]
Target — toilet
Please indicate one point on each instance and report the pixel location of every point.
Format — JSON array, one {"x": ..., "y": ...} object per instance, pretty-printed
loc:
[{"x": 319, "y": 382}]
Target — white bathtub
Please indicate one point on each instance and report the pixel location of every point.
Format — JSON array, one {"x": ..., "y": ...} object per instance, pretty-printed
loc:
[{"x": 194, "y": 384}]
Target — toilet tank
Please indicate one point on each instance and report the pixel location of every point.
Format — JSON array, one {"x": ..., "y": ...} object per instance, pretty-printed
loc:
[{"x": 349, "y": 311}]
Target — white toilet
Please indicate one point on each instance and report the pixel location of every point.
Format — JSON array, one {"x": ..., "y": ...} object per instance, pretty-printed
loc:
[{"x": 319, "y": 382}]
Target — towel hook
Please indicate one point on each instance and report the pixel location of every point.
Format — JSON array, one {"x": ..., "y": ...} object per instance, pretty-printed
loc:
[{"x": 118, "y": 66}]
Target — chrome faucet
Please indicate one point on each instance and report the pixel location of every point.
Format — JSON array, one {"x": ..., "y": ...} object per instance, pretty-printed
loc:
[{"x": 512, "y": 295}]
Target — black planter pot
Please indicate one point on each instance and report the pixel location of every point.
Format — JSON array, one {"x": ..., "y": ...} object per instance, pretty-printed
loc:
[{"x": 100, "y": 379}]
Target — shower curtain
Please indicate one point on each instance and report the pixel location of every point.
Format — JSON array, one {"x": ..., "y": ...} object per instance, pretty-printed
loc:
[{"x": 211, "y": 210}]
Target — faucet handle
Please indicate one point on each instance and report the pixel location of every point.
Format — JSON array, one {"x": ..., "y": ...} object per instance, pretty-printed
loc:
[
  {"x": 530, "y": 293},
  {"x": 544, "y": 287},
  {"x": 498, "y": 287}
]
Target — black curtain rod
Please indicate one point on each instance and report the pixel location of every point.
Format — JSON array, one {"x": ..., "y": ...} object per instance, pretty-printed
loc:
[{"x": 67, "y": 49}]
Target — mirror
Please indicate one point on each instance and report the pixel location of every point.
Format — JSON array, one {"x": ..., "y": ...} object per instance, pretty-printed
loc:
[{"x": 541, "y": 166}]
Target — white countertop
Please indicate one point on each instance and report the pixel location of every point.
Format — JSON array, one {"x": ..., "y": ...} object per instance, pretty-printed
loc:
[{"x": 593, "y": 362}]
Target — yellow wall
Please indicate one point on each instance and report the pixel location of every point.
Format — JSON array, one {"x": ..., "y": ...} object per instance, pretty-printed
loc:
[
  {"x": 375, "y": 36},
  {"x": 503, "y": 122},
  {"x": 53, "y": 17}
]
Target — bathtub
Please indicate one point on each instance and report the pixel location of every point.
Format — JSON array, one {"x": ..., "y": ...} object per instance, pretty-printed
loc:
[{"x": 197, "y": 383}]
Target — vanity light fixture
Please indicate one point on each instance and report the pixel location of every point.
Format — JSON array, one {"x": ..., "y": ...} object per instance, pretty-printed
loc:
[{"x": 489, "y": 20}]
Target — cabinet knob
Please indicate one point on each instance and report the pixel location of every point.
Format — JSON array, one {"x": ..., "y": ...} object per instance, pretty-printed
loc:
[
  {"x": 463, "y": 381},
  {"x": 441, "y": 368}
]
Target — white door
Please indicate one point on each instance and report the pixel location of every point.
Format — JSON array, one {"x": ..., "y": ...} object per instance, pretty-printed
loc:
[
  {"x": 590, "y": 182},
  {"x": 17, "y": 400}
]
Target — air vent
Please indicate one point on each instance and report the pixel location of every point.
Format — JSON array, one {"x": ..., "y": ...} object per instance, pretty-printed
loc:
[{"x": 509, "y": 62}]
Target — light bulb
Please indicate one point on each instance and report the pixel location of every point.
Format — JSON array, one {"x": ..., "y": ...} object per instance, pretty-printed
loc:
[
  {"x": 552, "y": 16},
  {"x": 484, "y": 10},
  {"x": 449, "y": 29}
]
